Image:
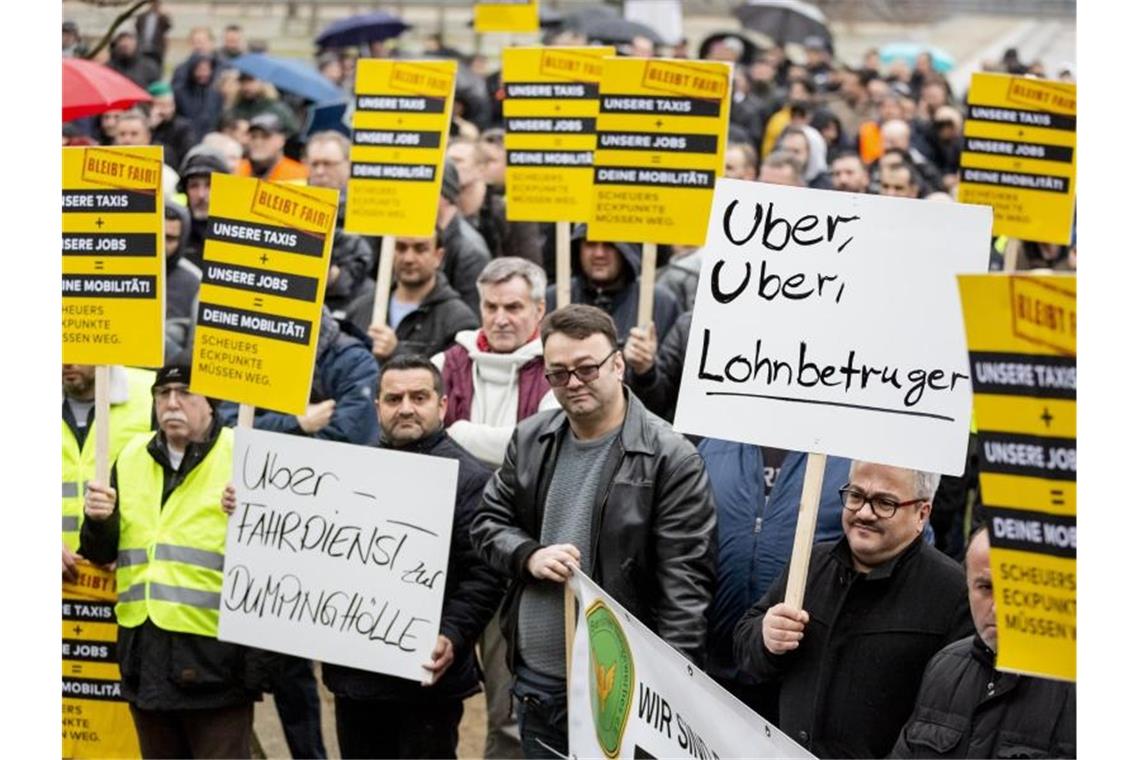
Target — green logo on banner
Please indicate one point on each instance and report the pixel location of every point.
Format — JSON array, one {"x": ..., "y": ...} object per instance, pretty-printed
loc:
[{"x": 611, "y": 677}]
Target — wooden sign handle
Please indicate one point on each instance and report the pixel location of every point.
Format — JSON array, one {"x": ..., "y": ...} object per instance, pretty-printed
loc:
[
  {"x": 384, "y": 280},
  {"x": 569, "y": 622},
  {"x": 245, "y": 416},
  {"x": 648, "y": 281},
  {"x": 805, "y": 531},
  {"x": 1012, "y": 251},
  {"x": 103, "y": 424},
  {"x": 562, "y": 264}
]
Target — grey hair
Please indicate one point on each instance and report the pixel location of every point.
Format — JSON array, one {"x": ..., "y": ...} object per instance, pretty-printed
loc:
[
  {"x": 925, "y": 483},
  {"x": 507, "y": 267}
]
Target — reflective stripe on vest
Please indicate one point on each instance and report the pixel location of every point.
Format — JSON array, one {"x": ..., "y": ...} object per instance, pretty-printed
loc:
[
  {"x": 174, "y": 552},
  {"x": 127, "y": 419},
  {"x": 210, "y": 600},
  {"x": 128, "y": 557},
  {"x": 188, "y": 555}
]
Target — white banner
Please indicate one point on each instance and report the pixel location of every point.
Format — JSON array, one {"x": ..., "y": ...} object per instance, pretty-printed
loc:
[
  {"x": 829, "y": 322},
  {"x": 337, "y": 552},
  {"x": 631, "y": 695}
]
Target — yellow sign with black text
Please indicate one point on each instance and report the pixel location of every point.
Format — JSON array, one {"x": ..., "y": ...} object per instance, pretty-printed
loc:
[
  {"x": 1019, "y": 155},
  {"x": 399, "y": 137},
  {"x": 507, "y": 16},
  {"x": 1021, "y": 332},
  {"x": 96, "y": 719},
  {"x": 551, "y": 111},
  {"x": 661, "y": 130},
  {"x": 113, "y": 256},
  {"x": 264, "y": 268}
]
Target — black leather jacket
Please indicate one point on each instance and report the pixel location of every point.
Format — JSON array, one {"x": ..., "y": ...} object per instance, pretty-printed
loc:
[{"x": 653, "y": 528}]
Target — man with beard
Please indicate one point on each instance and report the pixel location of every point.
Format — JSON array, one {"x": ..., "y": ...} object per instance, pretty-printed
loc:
[
  {"x": 424, "y": 312},
  {"x": 267, "y": 159}
]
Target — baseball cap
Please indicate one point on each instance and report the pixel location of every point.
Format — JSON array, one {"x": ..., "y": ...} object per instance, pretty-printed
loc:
[{"x": 267, "y": 122}]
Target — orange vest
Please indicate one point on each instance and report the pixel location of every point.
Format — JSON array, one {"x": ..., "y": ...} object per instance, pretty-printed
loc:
[
  {"x": 285, "y": 170},
  {"x": 870, "y": 142}
]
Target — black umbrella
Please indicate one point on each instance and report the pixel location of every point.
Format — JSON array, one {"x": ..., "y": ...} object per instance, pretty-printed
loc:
[
  {"x": 618, "y": 31},
  {"x": 361, "y": 30},
  {"x": 784, "y": 21},
  {"x": 751, "y": 44}
]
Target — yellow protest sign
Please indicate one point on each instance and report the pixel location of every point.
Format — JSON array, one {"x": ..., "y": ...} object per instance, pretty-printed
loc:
[
  {"x": 661, "y": 129},
  {"x": 1019, "y": 155},
  {"x": 113, "y": 256},
  {"x": 507, "y": 16},
  {"x": 551, "y": 110},
  {"x": 399, "y": 136},
  {"x": 1021, "y": 332},
  {"x": 264, "y": 268},
  {"x": 96, "y": 719}
]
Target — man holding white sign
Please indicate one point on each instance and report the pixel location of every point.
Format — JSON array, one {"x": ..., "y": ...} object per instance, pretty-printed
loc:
[
  {"x": 879, "y": 603},
  {"x": 386, "y": 716}
]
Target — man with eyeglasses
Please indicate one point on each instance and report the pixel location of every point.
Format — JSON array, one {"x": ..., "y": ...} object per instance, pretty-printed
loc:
[
  {"x": 600, "y": 486},
  {"x": 158, "y": 519},
  {"x": 879, "y": 603}
]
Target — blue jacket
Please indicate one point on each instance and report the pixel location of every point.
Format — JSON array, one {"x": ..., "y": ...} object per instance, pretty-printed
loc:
[
  {"x": 346, "y": 371},
  {"x": 756, "y": 537}
]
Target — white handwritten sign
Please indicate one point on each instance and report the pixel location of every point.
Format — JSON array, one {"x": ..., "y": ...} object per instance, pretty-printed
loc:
[
  {"x": 828, "y": 322},
  {"x": 337, "y": 552}
]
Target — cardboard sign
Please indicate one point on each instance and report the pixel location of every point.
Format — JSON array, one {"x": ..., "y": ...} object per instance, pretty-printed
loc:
[
  {"x": 551, "y": 109},
  {"x": 829, "y": 322},
  {"x": 632, "y": 695},
  {"x": 264, "y": 268},
  {"x": 337, "y": 552},
  {"x": 96, "y": 719},
  {"x": 399, "y": 137},
  {"x": 662, "y": 125},
  {"x": 1020, "y": 155},
  {"x": 1022, "y": 333},
  {"x": 507, "y": 16},
  {"x": 113, "y": 256}
]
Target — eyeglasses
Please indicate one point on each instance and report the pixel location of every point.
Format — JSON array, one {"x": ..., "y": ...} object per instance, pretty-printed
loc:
[
  {"x": 585, "y": 373},
  {"x": 883, "y": 506}
]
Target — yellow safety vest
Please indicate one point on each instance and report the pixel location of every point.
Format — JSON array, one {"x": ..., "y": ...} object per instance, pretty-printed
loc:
[
  {"x": 128, "y": 419},
  {"x": 171, "y": 556}
]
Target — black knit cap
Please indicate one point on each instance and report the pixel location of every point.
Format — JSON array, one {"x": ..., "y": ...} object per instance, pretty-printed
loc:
[{"x": 175, "y": 370}]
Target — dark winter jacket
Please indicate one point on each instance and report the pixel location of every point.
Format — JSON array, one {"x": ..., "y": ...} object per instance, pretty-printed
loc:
[
  {"x": 471, "y": 594},
  {"x": 429, "y": 329},
  {"x": 653, "y": 532},
  {"x": 681, "y": 277},
  {"x": 755, "y": 532},
  {"x": 344, "y": 371},
  {"x": 658, "y": 387},
  {"x": 176, "y": 137},
  {"x": 182, "y": 281},
  {"x": 138, "y": 68},
  {"x": 464, "y": 256},
  {"x": 849, "y": 687},
  {"x": 966, "y": 708},
  {"x": 202, "y": 105},
  {"x": 619, "y": 301},
  {"x": 352, "y": 255},
  {"x": 503, "y": 238},
  {"x": 167, "y": 670}
]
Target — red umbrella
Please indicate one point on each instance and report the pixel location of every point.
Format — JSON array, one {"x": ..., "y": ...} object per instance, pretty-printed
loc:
[{"x": 90, "y": 88}]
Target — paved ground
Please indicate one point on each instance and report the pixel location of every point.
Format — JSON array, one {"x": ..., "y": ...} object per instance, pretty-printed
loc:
[{"x": 268, "y": 728}]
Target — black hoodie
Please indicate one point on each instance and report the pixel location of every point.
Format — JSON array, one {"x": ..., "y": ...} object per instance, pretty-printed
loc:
[{"x": 618, "y": 300}]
